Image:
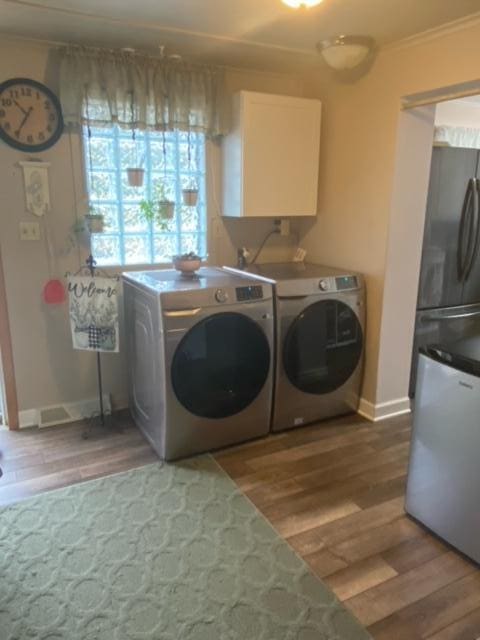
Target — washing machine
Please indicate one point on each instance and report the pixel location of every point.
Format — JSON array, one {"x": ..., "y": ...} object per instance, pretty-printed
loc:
[
  {"x": 200, "y": 355},
  {"x": 320, "y": 323}
]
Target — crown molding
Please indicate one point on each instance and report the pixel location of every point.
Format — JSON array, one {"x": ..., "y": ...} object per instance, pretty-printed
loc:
[{"x": 433, "y": 34}]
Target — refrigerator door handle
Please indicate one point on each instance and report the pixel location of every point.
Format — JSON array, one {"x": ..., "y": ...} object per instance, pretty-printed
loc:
[
  {"x": 474, "y": 231},
  {"x": 461, "y": 249},
  {"x": 435, "y": 317}
]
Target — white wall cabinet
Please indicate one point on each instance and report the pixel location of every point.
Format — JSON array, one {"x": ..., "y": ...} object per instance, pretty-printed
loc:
[{"x": 271, "y": 157}]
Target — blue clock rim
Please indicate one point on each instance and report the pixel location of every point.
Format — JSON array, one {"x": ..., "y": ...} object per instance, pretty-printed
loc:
[{"x": 34, "y": 148}]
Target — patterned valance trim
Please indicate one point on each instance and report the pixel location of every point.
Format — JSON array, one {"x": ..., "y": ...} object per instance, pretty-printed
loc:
[{"x": 103, "y": 87}]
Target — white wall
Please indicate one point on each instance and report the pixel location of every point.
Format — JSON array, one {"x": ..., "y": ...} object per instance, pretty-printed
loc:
[
  {"x": 48, "y": 371},
  {"x": 458, "y": 113}
]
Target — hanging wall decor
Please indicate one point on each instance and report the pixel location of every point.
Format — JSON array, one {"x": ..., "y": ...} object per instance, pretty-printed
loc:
[
  {"x": 94, "y": 313},
  {"x": 37, "y": 192}
]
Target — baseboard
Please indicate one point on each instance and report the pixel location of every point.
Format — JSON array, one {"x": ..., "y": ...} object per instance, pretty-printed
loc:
[
  {"x": 63, "y": 413},
  {"x": 27, "y": 418},
  {"x": 383, "y": 410}
]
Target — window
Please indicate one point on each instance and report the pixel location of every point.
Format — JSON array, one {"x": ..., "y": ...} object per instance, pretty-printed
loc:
[{"x": 128, "y": 238}]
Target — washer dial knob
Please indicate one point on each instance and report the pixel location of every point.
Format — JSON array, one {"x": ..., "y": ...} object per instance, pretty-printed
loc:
[
  {"x": 221, "y": 295},
  {"x": 323, "y": 285}
]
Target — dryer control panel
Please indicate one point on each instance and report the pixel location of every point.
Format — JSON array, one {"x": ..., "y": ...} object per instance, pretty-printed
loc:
[{"x": 253, "y": 292}]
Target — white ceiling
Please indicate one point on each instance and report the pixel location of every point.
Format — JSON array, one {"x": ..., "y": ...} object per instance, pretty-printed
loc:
[{"x": 258, "y": 33}]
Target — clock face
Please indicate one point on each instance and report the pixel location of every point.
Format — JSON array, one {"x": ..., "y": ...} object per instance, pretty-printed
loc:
[{"x": 30, "y": 115}]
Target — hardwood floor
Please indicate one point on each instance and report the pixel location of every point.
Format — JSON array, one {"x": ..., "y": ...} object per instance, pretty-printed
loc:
[
  {"x": 335, "y": 491},
  {"x": 37, "y": 460}
]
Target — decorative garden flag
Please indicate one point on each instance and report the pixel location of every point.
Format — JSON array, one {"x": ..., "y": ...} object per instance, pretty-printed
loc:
[{"x": 94, "y": 313}]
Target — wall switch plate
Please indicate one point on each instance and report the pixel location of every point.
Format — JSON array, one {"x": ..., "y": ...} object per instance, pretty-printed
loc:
[{"x": 29, "y": 231}]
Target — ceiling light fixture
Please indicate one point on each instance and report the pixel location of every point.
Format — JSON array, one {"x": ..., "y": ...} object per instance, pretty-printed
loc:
[
  {"x": 306, "y": 4},
  {"x": 345, "y": 52}
]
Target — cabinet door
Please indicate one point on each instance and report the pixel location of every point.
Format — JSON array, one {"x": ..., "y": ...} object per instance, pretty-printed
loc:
[{"x": 281, "y": 143}]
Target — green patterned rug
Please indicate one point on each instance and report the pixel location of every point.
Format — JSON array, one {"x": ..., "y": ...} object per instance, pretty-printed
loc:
[{"x": 171, "y": 552}]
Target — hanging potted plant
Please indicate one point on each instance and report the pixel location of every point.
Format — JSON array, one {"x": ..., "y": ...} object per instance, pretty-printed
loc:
[
  {"x": 166, "y": 207},
  {"x": 95, "y": 221},
  {"x": 190, "y": 196},
  {"x": 190, "y": 193},
  {"x": 136, "y": 174}
]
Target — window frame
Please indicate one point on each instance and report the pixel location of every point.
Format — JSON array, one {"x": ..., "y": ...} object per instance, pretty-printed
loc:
[{"x": 179, "y": 176}]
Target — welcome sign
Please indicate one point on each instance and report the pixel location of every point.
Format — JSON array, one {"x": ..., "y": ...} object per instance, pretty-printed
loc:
[{"x": 93, "y": 306}]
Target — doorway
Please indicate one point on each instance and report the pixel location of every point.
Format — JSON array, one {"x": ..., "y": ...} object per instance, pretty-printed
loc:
[
  {"x": 416, "y": 132},
  {"x": 8, "y": 389}
]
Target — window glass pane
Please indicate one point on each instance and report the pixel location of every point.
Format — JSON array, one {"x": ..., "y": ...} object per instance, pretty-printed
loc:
[
  {"x": 190, "y": 218},
  {"x": 164, "y": 248},
  {"x": 102, "y": 186},
  {"x": 172, "y": 162},
  {"x": 101, "y": 154},
  {"x": 133, "y": 219},
  {"x": 129, "y": 192},
  {"x": 110, "y": 215},
  {"x": 106, "y": 249},
  {"x": 137, "y": 249},
  {"x": 157, "y": 157},
  {"x": 190, "y": 242}
]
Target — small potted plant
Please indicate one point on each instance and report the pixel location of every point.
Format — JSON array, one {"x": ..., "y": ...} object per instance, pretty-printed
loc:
[
  {"x": 95, "y": 221},
  {"x": 135, "y": 176},
  {"x": 190, "y": 196},
  {"x": 152, "y": 212},
  {"x": 166, "y": 207}
]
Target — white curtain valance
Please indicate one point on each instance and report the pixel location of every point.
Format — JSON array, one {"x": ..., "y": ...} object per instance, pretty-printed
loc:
[
  {"x": 104, "y": 87},
  {"x": 464, "y": 137}
]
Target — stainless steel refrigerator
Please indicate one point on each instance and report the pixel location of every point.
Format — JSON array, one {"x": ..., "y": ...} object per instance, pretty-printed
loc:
[
  {"x": 444, "y": 474},
  {"x": 448, "y": 306}
]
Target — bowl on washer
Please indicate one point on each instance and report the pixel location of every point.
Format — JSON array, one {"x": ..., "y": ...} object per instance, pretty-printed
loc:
[{"x": 187, "y": 263}]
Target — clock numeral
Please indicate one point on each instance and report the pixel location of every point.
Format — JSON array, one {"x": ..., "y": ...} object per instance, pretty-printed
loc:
[
  {"x": 37, "y": 95},
  {"x": 13, "y": 93},
  {"x": 2, "y": 113},
  {"x": 41, "y": 136},
  {"x": 47, "y": 104},
  {"x": 26, "y": 91},
  {"x": 30, "y": 139},
  {"x": 6, "y": 102},
  {"x": 51, "y": 117},
  {"x": 49, "y": 128}
]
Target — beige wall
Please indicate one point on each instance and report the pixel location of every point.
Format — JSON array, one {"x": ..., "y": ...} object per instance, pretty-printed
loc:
[
  {"x": 358, "y": 159},
  {"x": 48, "y": 371}
]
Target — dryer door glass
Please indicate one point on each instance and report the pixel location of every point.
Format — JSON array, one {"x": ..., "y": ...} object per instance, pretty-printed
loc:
[
  {"x": 221, "y": 365},
  {"x": 323, "y": 347}
]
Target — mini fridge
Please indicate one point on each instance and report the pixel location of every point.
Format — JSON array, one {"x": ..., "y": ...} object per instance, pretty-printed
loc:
[{"x": 443, "y": 488}]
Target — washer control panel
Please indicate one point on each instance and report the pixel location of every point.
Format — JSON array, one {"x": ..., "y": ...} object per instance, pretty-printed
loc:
[
  {"x": 346, "y": 282},
  {"x": 323, "y": 285},
  {"x": 221, "y": 295},
  {"x": 338, "y": 283},
  {"x": 253, "y": 292}
]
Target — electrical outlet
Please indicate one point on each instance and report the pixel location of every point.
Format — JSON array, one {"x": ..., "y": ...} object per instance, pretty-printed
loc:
[{"x": 29, "y": 231}]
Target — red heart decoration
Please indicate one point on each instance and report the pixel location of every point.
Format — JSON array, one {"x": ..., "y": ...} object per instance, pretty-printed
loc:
[{"x": 54, "y": 292}]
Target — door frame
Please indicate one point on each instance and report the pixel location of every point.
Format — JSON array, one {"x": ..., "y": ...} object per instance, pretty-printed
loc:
[{"x": 6, "y": 358}]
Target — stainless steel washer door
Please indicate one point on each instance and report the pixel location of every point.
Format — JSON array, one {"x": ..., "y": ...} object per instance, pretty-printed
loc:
[
  {"x": 323, "y": 347},
  {"x": 220, "y": 365}
]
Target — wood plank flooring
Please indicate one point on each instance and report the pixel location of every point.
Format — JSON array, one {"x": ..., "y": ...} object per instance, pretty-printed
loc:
[{"x": 335, "y": 491}]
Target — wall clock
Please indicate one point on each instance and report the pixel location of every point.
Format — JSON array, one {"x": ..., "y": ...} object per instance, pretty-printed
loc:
[{"x": 30, "y": 115}]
